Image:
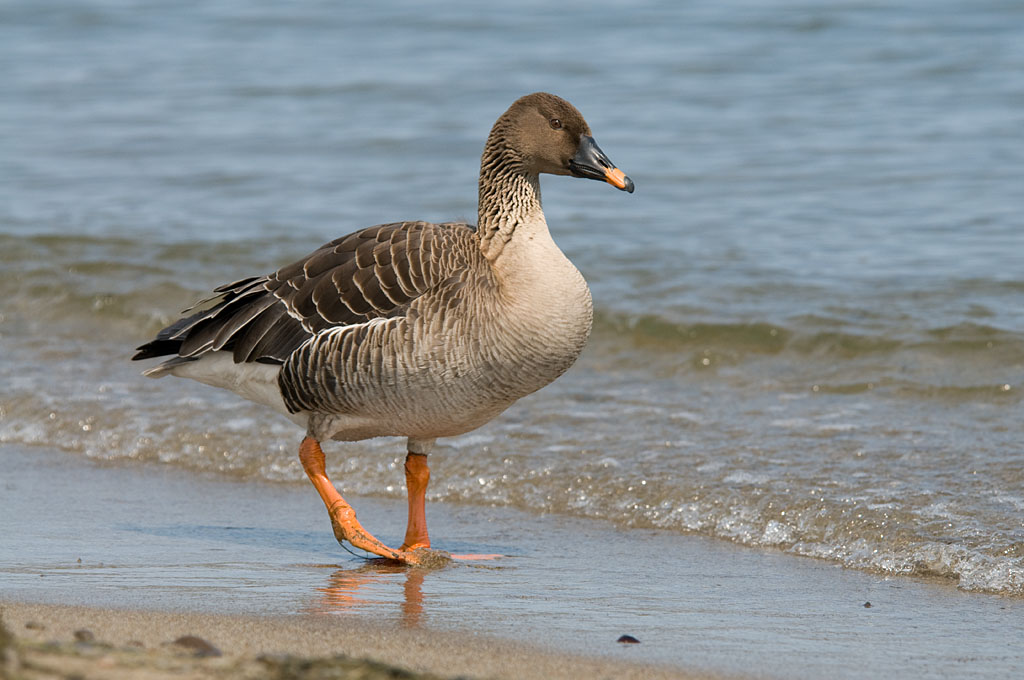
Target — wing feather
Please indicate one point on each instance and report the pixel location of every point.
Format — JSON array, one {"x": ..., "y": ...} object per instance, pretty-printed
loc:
[
  {"x": 249, "y": 337},
  {"x": 373, "y": 273}
]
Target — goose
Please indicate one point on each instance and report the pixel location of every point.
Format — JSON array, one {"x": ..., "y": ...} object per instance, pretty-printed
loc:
[{"x": 409, "y": 329}]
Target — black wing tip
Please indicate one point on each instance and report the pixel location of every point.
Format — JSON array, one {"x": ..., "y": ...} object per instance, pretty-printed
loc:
[{"x": 156, "y": 348}]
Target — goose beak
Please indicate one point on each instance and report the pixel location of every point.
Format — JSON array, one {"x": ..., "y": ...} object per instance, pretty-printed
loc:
[{"x": 590, "y": 162}]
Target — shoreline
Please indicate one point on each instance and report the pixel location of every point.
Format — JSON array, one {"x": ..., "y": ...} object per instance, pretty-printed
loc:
[
  {"x": 155, "y": 545},
  {"x": 114, "y": 643}
]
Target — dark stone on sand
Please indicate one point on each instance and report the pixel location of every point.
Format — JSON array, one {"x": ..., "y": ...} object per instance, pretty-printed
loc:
[
  {"x": 287, "y": 667},
  {"x": 628, "y": 639},
  {"x": 5, "y": 639},
  {"x": 84, "y": 635},
  {"x": 34, "y": 625},
  {"x": 867, "y": 605},
  {"x": 197, "y": 645}
]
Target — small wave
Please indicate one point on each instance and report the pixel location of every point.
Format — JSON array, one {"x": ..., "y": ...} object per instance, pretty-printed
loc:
[
  {"x": 801, "y": 338},
  {"x": 651, "y": 331},
  {"x": 966, "y": 361},
  {"x": 883, "y": 538}
]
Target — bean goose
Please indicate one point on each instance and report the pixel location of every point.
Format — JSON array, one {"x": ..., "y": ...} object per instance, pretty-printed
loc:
[{"x": 410, "y": 329}]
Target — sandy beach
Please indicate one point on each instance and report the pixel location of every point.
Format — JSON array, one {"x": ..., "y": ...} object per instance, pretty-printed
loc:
[{"x": 140, "y": 644}]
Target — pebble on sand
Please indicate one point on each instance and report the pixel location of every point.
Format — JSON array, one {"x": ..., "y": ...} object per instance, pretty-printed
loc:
[
  {"x": 84, "y": 635},
  {"x": 197, "y": 645}
]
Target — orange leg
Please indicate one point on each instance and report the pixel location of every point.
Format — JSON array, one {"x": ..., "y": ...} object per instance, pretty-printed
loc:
[
  {"x": 417, "y": 476},
  {"x": 343, "y": 517}
]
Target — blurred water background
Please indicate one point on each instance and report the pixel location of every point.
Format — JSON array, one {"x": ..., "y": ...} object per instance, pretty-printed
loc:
[{"x": 809, "y": 332}]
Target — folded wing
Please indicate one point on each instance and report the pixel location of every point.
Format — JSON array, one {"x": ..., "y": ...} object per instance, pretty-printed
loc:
[{"x": 370, "y": 274}]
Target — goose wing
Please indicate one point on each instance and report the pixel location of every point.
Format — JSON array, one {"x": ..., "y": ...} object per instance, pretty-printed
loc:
[{"x": 372, "y": 273}]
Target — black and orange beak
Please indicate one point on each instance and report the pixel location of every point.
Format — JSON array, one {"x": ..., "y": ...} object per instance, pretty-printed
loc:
[{"x": 590, "y": 162}]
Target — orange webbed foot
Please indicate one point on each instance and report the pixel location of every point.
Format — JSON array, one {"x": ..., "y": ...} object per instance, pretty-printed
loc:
[{"x": 348, "y": 529}]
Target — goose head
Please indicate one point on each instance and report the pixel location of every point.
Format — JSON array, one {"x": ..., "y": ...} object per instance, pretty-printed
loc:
[{"x": 550, "y": 135}]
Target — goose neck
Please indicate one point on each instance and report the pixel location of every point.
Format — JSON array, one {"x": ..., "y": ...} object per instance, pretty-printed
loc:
[{"x": 509, "y": 199}]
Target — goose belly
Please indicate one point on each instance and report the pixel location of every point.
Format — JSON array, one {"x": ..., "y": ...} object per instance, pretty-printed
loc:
[
  {"x": 446, "y": 379},
  {"x": 439, "y": 393}
]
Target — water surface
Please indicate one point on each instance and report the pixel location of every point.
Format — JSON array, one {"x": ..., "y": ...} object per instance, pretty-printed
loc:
[{"x": 809, "y": 332}]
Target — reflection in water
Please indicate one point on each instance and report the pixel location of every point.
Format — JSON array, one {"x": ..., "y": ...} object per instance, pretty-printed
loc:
[{"x": 374, "y": 585}]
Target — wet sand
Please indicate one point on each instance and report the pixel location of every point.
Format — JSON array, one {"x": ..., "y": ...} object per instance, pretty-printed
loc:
[
  {"x": 149, "y": 553},
  {"x": 141, "y": 644}
]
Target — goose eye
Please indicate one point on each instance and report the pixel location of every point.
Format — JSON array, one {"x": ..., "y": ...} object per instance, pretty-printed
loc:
[{"x": 556, "y": 124}]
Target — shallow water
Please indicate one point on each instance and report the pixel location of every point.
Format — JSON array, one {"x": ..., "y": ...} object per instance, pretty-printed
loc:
[
  {"x": 810, "y": 329},
  {"x": 162, "y": 538}
]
